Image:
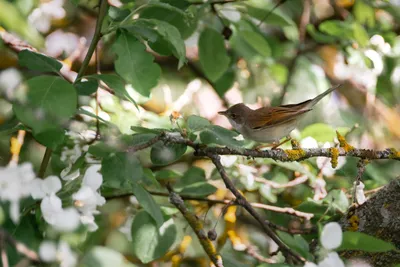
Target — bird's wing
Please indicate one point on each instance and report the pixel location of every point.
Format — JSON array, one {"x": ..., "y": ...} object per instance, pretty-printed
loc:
[{"x": 269, "y": 117}]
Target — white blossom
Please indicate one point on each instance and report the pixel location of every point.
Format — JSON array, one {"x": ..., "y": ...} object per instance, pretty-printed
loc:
[
  {"x": 41, "y": 17},
  {"x": 51, "y": 252},
  {"x": 228, "y": 160},
  {"x": 331, "y": 260},
  {"x": 331, "y": 236},
  {"x": 41, "y": 188},
  {"x": 86, "y": 199},
  {"x": 14, "y": 185},
  {"x": 308, "y": 142}
]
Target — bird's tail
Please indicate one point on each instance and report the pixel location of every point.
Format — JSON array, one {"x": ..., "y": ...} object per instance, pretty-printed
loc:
[{"x": 319, "y": 97}]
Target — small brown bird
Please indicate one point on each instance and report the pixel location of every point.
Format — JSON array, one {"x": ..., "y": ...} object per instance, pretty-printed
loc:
[{"x": 269, "y": 124}]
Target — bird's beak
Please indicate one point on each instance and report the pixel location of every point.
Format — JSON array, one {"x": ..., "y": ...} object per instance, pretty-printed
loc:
[{"x": 222, "y": 113}]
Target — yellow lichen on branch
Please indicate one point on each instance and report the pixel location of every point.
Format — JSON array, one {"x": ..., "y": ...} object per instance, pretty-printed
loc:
[
  {"x": 295, "y": 154},
  {"x": 343, "y": 143},
  {"x": 394, "y": 154},
  {"x": 335, "y": 155}
]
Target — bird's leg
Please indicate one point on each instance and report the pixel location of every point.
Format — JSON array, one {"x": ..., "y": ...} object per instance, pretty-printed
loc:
[
  {"x": 273, "y": 145},
  {"x": 287, "y": 139}
]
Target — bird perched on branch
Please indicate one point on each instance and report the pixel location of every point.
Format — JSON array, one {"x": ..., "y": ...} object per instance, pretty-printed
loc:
[{"x": 270, "y": 124}]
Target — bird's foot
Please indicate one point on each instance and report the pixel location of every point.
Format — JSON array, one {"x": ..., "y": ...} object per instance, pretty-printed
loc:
[{"x": 275, "y": 147}]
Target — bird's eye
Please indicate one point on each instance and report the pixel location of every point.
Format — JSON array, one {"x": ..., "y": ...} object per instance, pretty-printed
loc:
[{"x": 233, "y": 116}]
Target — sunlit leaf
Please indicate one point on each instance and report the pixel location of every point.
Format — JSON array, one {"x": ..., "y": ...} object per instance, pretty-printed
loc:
[
  {"x": 168, "y": 40},
  {"x": 104, "y": 257},
  {"x": 257, "y": 41},
  {"x": 148, "y": 203},
  {"x": 184, "y": 21},
  {"x": 121, "y": 170},
  {"x": 115, "y": 83},
  {"x": 150, "y": 242},
  {"x": 163, "y": 154},
  {"x": 196, "y": 123},
  {"x": 214, "y": 134},
  {"x": 212, "y": 53},
  {"x": 134, "y": 64}
]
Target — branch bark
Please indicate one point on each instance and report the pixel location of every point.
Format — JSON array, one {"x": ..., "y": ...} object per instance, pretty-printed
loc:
[{"x": 379, "y": 217}]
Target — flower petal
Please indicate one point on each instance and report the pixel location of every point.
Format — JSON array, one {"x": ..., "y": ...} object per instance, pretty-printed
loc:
[
  {"x": 92, "y": 177},
  {"x": 331, "y": 236}
]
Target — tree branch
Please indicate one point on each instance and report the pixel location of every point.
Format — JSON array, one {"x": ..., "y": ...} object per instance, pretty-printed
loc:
[
  {"x": 241, "y": 200},
  {"x": 197, "y": 227}
]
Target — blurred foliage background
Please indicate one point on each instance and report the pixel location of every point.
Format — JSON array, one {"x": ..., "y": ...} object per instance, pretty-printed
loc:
[{"x": 286, "y": 54}]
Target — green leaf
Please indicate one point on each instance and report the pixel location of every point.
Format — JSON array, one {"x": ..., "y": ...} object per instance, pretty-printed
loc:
[
  {"x": 320, "y": 132},
  {"x": 39, "y": 62},
  {"x": 168, "y": 39},
  {"x": 260, "y": 12},
  {"x": 360, "y": 34},
  {"x": 364, "y": 13},
  {"x": 142, "y": 138},
  {"x": 86, "y": 87},
  {"x": 196, "y": 123},
  {"x": 191, "y": 176},
  {"x": 149, "y": 241},
  {"x": 296, "y": 243},
  {"x": 336, "y": 28},
  {"x": 225, "y": 82},
  {"x": 134, "y": 64},
  {"x": 50, "y": 137},
  {"x": 167, "y": 175},
  {"x": 184, "y": 21},
  {"x": 364, "y": 242},
  {"x": 104, "y": 257},
  {"x": 194, "y": 183},
  {"x": 318, "y": 36},
  {"x": 121, "y": 170},
  {"x": 101, "y": 150},
  {"x": 213, "y": 56},
  {"x": 338, "y": 200},
  {"x": 148, "y": 203},
  {"x": 162, "y": 154},
  {"x": 345, "y": 30},
  {"x": 312, "y": 206},
  {"x": 214, "y": 134},
  {"x": 257, "y": 41},
  {"x": 52, "y": 96},
  {"x": 115, "y": 83},
  {"x": 139, "y": 129},
  {"x": 51, "y": 101},
  {"x": 201, "y": 189}
]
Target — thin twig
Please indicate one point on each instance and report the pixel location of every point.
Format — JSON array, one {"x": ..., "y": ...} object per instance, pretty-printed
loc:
[
  {"x": 299, "y": 180},
  {"x": 197, "y": 227},
  {"x": 20, "y": 247},
  {"x": 241, "y": 200},
  {"x": 211, "y": 202},
  {"x": 252, "y": 251}
]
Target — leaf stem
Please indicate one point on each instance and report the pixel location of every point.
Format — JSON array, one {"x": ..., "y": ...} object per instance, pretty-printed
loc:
[
  {"x": 45, "y": 162},
  {"x": 96, "y": 38}
]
